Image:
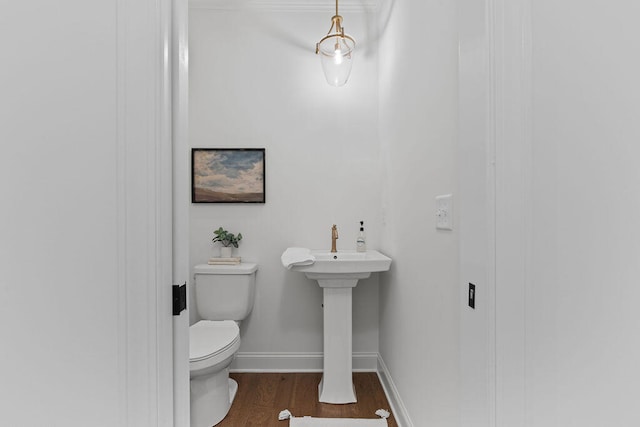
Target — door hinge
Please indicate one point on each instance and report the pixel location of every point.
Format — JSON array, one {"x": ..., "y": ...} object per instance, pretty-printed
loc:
[
  {"x": 179, "y": 299},
  {"x": 472, "y": 296}
]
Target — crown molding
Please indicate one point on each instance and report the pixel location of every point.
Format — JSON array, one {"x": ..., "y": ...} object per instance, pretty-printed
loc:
[{"x": 286, "y": 5}]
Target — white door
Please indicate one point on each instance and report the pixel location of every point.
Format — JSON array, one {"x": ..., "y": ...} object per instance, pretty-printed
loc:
[{"x": 85, "y": 222}]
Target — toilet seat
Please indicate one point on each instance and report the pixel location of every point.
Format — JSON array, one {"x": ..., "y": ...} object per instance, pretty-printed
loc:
[{"x": 212, "y": 342}]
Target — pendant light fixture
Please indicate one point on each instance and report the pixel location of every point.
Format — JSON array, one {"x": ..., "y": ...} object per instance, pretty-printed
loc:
[{"x": 336, "y": 52}]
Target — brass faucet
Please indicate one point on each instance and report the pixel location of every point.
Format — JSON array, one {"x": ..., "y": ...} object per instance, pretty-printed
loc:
[{"x": 334, "y": 237}]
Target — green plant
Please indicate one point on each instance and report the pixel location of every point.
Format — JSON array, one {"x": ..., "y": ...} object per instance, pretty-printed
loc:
[{"x": 227, "y": 239}]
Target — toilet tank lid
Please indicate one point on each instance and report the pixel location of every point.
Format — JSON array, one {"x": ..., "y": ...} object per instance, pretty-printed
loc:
[{"x": 242, "y": 268}]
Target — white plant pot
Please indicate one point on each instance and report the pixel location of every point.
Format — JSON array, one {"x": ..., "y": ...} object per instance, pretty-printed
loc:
[{"x": 226, "y": 251}]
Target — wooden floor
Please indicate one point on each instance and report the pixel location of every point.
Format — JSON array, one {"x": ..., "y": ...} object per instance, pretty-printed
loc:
[{"x": 261, "y": 397}]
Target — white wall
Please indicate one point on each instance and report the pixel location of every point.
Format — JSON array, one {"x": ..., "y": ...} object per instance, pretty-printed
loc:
[
  {"x": 583, "y": 321},
  {"x": 256, "y": 82},
  {"x": 419, "y": 323}
]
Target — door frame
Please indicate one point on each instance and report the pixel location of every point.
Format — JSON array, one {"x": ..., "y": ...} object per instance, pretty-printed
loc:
[
  {"x": 144, "y": 217},
  {"x": 513, "y": 88},
  {"x": 181, "y": 203},
  {"x": 496, "y": 122}
]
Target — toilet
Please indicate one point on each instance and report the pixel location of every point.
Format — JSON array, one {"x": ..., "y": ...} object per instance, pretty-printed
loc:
[{"x": 224, "y": 296}]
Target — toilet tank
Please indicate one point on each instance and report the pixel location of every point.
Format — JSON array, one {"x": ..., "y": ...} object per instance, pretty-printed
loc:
[{"x": 225, "y": 292}]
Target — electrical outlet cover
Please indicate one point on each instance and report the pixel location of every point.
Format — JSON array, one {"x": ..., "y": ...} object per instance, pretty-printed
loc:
[{"x": 444, "y": 212}]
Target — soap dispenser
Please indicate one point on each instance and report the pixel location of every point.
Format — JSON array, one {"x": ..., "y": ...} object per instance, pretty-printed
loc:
[{"x": 361, "y": 241}]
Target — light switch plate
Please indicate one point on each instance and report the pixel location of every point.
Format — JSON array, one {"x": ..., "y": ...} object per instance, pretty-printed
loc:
[{"x": 444, "y": 212}]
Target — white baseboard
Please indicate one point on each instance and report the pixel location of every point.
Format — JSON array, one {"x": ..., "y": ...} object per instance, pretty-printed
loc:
[
  {"x": 397, "y": 406},
  {"x": 296, "y": 362}
]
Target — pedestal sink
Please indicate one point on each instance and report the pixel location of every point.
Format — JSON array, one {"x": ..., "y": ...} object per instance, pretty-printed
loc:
[{"x": 337, "y": 274}]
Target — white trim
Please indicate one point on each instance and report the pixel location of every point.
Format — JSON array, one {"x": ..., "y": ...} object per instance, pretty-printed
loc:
[
  {"x": 121, "y": 143},
  {"x": 144, "y": 213},
  {"x": 286, "y": 5},
  {"x": 512, "y": 90},
  {"x": 478, "y": 91},
  {"x": 164, "y": 217},
  {"x": 526, "y": 103},
  {"x": 181, "y": 204},
  {"x": 398, "y": 409},
  {"x": 492, "y": 94},
  {"x": 296, "y": 362}
]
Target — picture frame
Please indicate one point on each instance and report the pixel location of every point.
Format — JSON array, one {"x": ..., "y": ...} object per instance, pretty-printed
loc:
[{"x": 228, "y": 175}]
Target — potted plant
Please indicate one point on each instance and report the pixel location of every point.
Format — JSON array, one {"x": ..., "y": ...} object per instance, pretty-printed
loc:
[{"x": 228, "y": 240}]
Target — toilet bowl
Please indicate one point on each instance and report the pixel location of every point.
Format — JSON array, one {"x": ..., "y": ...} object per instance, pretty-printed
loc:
[
  {"x": 224, "y": 296},
  {"x": 212, "y": 347}
]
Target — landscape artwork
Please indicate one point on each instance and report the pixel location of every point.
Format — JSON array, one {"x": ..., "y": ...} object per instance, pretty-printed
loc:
[{"x": 228, "y": 175}]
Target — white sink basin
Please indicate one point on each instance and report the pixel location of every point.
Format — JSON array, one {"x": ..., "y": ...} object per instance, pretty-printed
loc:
[{"x": 344, "y": 264}]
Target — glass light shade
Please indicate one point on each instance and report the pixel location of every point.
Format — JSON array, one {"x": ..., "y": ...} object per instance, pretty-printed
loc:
[{"x": 336, "y": 55}]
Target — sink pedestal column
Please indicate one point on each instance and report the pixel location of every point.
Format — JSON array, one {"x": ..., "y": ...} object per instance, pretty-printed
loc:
[{"x": 337, "y": 382}]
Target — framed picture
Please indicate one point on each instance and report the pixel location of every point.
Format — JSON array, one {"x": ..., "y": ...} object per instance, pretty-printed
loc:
[{"x": 227, "y": 175}]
